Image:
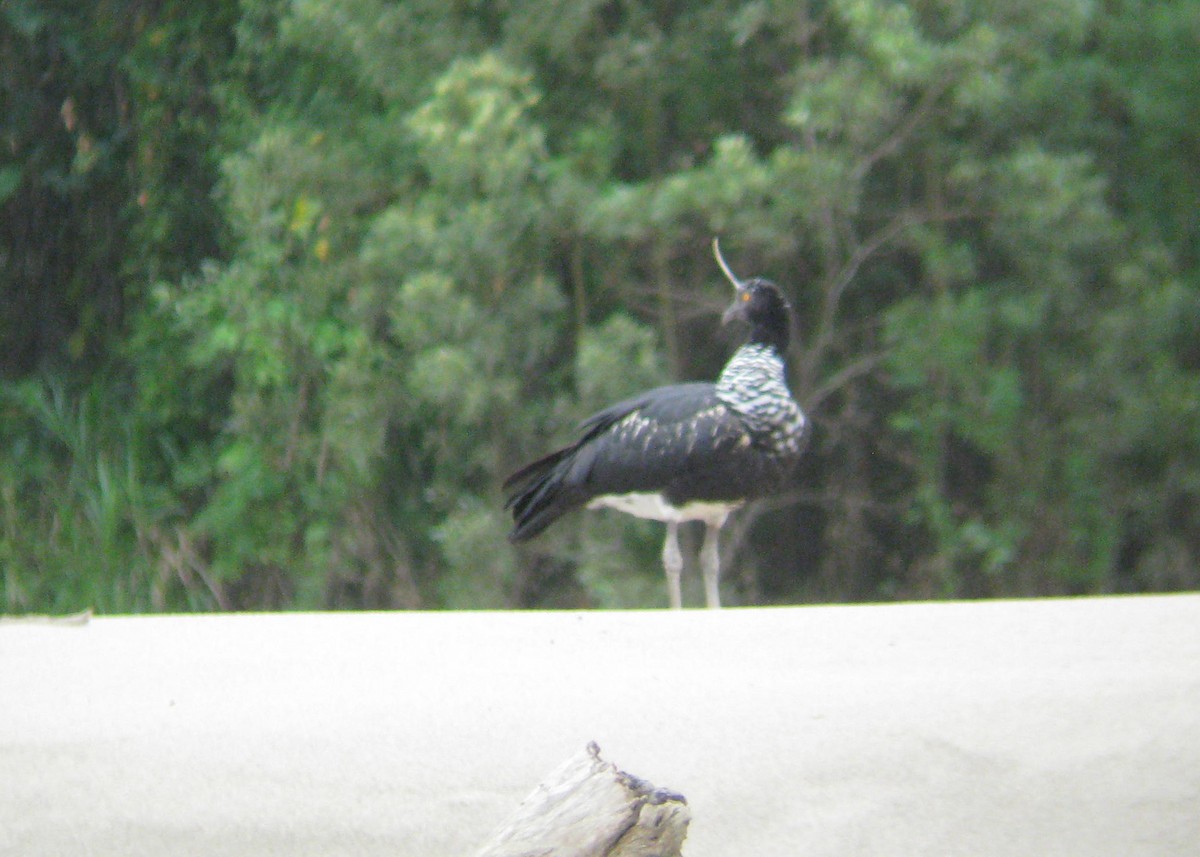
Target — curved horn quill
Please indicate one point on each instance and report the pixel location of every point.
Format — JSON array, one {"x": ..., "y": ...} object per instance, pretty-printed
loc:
[{"x": 737, "y": 284}]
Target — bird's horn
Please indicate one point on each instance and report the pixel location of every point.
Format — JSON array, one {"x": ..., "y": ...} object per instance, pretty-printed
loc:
[{"x": 737, "y": 284}]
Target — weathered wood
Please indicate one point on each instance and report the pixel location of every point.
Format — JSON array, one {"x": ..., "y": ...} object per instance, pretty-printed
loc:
[{"x": 589, "y": 808}]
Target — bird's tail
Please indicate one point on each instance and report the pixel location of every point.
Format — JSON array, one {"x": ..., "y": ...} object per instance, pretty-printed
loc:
[{"x": 539, "y": 494}]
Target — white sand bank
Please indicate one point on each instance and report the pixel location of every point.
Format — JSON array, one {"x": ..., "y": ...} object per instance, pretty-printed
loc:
[{"x": 998, "y": 728}]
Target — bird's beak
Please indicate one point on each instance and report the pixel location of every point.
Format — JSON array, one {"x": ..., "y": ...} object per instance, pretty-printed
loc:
[{"x": 736, "y": 310}]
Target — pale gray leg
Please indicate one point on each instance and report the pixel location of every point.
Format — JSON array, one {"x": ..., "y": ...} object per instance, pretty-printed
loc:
[
  {"x": 710, "y": 563},
  {"x": 673, "y": 564}
]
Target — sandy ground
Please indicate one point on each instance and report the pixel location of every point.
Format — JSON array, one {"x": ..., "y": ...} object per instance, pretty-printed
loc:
[{"x": 999, "y": 728}]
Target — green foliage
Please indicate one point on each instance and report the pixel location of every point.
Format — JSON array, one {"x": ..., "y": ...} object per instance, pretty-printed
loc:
[
  {"x": 106, "y": 170},
  {"x": 617, "y": 359},
  {"x": 308, "y": 279},
  {"x": 85, "y": 520}
]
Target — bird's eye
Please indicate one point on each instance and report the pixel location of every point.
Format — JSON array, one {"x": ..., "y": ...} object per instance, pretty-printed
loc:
[{"x": 745, "y": 297}]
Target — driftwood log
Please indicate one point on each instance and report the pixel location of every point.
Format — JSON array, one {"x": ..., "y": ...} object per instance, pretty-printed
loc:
[{"x": 589, "y": 808}]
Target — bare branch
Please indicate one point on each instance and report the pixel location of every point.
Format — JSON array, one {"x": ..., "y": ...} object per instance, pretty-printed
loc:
[
  {"x": 850, "y": 372},
  {"x": 889, "y": 146},
  {"x": 836, "y": 289},
  {"x": 901, "y": 222}
]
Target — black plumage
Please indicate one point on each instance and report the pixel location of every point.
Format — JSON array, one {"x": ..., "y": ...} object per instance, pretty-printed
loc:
[{"x": 684, "y": 452}]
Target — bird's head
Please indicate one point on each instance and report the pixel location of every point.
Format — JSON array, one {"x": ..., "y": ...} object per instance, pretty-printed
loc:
[{"x": 759, "y": 304}]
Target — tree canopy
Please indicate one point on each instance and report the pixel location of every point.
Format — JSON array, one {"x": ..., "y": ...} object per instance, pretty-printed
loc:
[{"x": 291, "y": 285}]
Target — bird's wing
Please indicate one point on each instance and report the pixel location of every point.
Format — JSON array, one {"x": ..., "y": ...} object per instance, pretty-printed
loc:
[
  {"x": 680, "y": 440},
  {"x": 665, "y": 404},
  {"x": 673, "y": 402}
]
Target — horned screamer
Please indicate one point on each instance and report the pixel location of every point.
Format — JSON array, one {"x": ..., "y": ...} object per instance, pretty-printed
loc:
[{"x": 687, "y": 452}]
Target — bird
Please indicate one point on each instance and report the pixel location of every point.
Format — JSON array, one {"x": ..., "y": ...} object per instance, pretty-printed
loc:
[{"x": 686, "y": 452}]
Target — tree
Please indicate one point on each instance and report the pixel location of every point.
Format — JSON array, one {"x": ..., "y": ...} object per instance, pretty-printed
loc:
[
  {"x": 443, "y": 233},
  {"x": 109, "y": 155}
]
